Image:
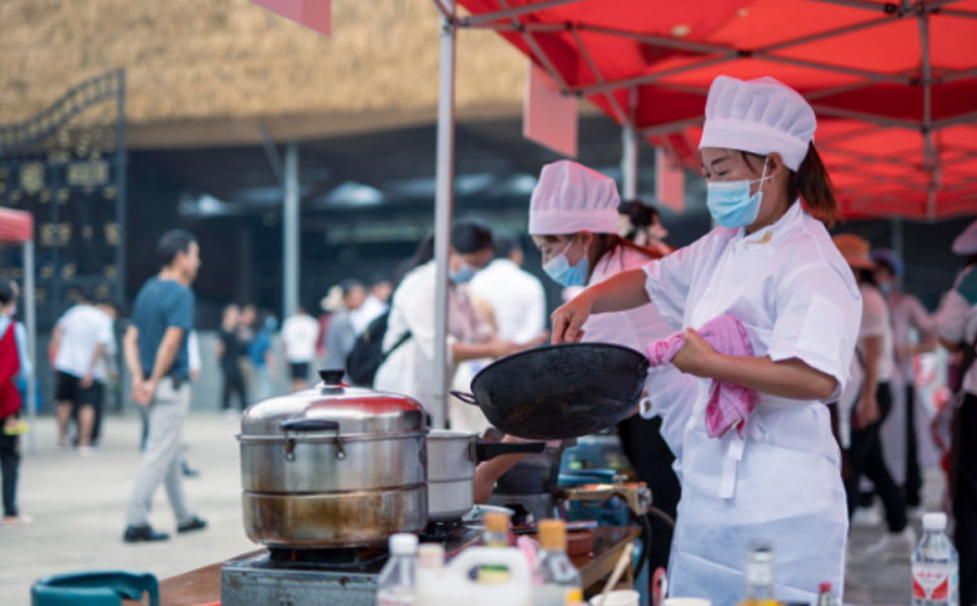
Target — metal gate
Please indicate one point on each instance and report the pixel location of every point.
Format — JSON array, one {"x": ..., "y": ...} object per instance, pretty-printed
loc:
[{"x": 67, "y": 166}]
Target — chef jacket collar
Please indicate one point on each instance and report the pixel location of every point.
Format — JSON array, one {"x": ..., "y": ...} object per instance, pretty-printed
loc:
[{"x": 773, "y": 232}]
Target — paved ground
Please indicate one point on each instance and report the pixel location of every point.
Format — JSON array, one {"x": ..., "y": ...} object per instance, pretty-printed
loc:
[{"x": 78, "y": 505}]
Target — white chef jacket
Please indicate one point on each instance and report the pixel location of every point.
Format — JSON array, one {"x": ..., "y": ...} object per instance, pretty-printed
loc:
[
  {"x": 670, "y": 392},
  {"x": 797, "y": 298},
  {"x": 517, "y": 299},
  {"x": 956, "y": 320},
  {"x": 409, "y": 369}
]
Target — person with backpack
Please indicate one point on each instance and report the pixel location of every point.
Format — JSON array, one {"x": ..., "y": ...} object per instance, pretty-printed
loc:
[
  {"x": 14, "y": 363},
  {"x": 407, "y": 346}
]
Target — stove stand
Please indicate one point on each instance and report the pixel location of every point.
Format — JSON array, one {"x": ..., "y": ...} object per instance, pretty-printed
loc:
[{"x": 271, "y": 581}]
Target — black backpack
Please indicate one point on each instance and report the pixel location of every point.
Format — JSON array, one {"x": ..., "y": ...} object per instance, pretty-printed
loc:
[{"x": 367, "y": 354}]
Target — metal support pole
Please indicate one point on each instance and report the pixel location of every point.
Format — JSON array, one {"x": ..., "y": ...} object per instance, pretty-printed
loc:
[
  {"x": 30, "y": 315},
  {"x": 899, "y": 246},
  {"x": 444, "y": 200},
  {"x": 629, "y": 156},
  {"x": 290, "y": 233}
]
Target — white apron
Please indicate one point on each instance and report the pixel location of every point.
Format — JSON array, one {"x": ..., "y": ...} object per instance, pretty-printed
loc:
[{"x": 782, "y": 482}]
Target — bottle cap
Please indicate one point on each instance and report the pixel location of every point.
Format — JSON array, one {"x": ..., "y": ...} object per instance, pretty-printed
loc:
[
  {"x": 824, "y": 588},
  {"x": 934, "y": 521},
  {"x": 496, "y": 521},
  {"x": 430, "y": 556},
  {"x": 553, "y": 535},
  {"x": 403, "y": 544}
]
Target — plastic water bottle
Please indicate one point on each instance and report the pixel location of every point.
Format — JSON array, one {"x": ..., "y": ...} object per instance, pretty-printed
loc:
[
  {"x": 935, "y": 566},
  {"x": 397, "y": 583}
]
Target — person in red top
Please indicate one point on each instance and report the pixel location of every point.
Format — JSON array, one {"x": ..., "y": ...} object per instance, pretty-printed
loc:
[{"x": 14, "y": 364}]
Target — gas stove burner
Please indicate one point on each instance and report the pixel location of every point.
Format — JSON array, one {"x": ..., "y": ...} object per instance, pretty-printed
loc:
[
  {"x": 366, "y": 559},
  {"x": 528, "y": 508},
  {"x": 439, "y": 531}
]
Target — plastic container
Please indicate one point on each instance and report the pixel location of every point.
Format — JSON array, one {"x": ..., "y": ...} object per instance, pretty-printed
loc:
[
  {"x": 397, "y": 583},
  {"x": 557, "y": 581},
  {"x": 432, "y": 586},
  {"x": 514, "y": 590},
  {"x": 618, "y": 597},
  {"x": 935, "y": 566}
]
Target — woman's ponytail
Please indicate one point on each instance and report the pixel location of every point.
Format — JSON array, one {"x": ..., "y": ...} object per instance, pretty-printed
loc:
[{"x": 813, "y": 184}]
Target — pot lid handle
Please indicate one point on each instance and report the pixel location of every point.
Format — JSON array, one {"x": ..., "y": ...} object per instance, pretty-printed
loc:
[{"x": 332, "y": 377}]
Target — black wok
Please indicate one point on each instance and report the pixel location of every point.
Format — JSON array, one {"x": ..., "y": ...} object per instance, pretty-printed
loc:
[{"x": 560, "y": 391}]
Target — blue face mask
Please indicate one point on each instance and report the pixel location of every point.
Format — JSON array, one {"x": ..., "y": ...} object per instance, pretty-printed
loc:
[
  {"x": 464, "y": 274},
  {"x": 730, "y": 202},
  {"x": 564, "y": 274},
  {"x": 885, "y": 287}
]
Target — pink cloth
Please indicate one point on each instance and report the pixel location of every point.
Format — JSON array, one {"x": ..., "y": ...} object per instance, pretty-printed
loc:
[{"x": 729, "y": 405}]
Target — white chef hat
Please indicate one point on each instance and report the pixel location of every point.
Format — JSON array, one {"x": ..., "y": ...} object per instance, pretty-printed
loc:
[
  {"x": 966, "y": 242},
  {"x": 759, "y": 116},
  {"x": 569, "y": 198}
]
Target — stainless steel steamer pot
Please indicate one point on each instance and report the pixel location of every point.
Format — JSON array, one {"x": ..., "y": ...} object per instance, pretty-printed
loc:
[{"x": 333, "y": 466}]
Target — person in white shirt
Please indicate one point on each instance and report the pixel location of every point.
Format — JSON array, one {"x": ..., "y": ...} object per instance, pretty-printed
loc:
[
  {"x": 641, "y": 223},
  {"x": 913, "y": 333},
  {"x": 407, "y": 368},
  {"x": 876, "y": 354},
  {"x": 516, "y": 296},
  {"x": 80, "y": 337},
  {"x": 770, "y": 264},
  {"x": 299, "y": 335}
]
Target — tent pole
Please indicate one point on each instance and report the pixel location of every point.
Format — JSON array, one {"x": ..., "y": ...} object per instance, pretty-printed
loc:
[
  {"x": 629, "y": 161},
  {"x": 290, "y": 231},
  {"x": 30, "y": 314},
  {"x": 899, "y": 245},
  {"x": 442, "y": 212}
]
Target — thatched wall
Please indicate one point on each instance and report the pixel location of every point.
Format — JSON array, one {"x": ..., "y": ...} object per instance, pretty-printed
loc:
[{"x": 211, "y": 71}]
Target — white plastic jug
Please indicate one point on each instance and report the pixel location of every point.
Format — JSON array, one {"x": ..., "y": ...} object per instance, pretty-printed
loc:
[{"x": 517, "y": 590}]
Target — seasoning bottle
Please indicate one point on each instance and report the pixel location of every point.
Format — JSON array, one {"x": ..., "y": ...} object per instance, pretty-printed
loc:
[
  {"x": 559, "y": 581},
  {"x": 825, "y": 598},
  {"x": 759, "y": 576},
  {"x": 397, "y": 583},
  {"x": 496, "y": 534}
]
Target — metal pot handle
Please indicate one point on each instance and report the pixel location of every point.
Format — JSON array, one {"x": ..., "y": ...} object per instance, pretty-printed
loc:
[
  {"x": 465, "y": 397},
  {"x": 310, "y": 425}
]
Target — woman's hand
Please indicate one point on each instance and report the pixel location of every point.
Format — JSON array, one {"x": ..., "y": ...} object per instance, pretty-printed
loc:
[
  {"x": 569, "y": 318},
  {"x": 696, "y": 356}
]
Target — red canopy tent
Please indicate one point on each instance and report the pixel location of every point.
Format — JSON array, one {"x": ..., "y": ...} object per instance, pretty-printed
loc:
[
  {"x": 17, "y": 226},
  {"x": 894, "y": 83}
]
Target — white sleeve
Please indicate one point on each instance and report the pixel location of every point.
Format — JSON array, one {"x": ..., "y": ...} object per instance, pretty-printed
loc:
[
  {"x": 951, "y": 319},
  {"x": 26, "y": 364},
  {"x": 818, "y": 319},
  {"x": 668, "y": 279},
  {"x": 105, "y": 335}
]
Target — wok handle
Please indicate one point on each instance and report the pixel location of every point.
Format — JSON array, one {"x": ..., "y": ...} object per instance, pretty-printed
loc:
[
  {"x": 465, "y": 397},
  {"x": 485, "y": 451}
]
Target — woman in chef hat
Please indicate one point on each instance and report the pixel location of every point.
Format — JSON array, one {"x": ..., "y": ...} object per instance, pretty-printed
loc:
[
  {"x": 573, "y": 220},
  {"x": 772, "y": 265}
]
